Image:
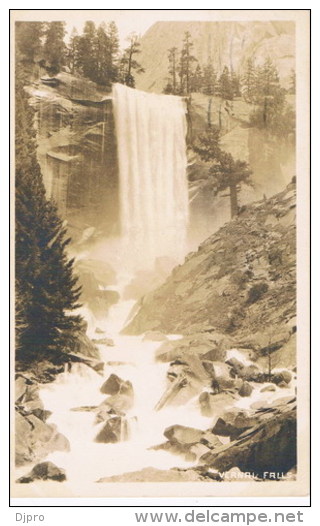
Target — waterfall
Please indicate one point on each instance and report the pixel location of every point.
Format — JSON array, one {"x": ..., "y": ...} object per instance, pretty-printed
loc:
[{"x": 151, "y": 131}]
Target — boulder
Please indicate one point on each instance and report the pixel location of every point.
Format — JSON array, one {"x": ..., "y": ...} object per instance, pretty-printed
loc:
[
  {"x": 177, "y": 434},
  {"x": 114, "y": 430},
  {"x": 268, "y": 447},
  {"x": 20, "y": 386},
  {"x": 118, "y": 403},
  {"x": 233, "y": 422},
  {"x": 35, "y": 439},
  {"x": 211, "y": 404},
  {"x": 210, "y": 440},
  {"x": 245, "y": 389},
  {"x": 44, "y": 471},
  {"x": 115, "y": 385}
]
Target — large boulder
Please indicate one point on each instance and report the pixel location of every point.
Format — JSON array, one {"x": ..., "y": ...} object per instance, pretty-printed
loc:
[
  {"x": 212, "y": 404},
  {"x": 245, "y": 389},
  {"x": 233, "y": 422},
  {"x": 116, "y": 404},
  {"x": 115, "y": 385},
  {"x": 114, "y": 430},
  {"x": 177, "y": 434},
  {"x": 44, "y": 471},
  {"x": 268, "y": 447},
  {"x": 35, "y": 439}
]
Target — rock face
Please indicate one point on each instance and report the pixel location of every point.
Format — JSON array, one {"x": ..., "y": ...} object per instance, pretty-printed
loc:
[
  {"x": 240, "y": 283},
  {"x": 77, "y": 151},
  {"x": 220, "y": 42},
  {"x": 34, "y": 437},
  {"x": 268, "y": 447},
  {"x": 115, "y": 385},
  {"x": 115, "y": 430},
  {"x": 44, "y": 471}
]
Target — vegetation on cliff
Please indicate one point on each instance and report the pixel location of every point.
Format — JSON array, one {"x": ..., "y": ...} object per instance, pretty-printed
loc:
[{"x": 46, "y": 289}]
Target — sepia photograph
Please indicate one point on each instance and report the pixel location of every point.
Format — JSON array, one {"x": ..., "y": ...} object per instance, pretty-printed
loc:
[{"x": 160, "y": 194}]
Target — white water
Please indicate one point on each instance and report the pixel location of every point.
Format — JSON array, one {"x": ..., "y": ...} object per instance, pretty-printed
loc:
[
  {"x": 131, "y": 358},
  {"x": 151, "y": 131}
]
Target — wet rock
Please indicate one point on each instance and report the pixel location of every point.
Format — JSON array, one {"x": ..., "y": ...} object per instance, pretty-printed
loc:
[
  {"x": 114, "y": 430},
  {"x": 95, "y": 364},
  {"x": 268, "y": 388},
  {"x": 35, "y": 439},
  {"x": 118, "y": 403},
  {"x": 83, "y": 346},
  {"x": 44, "y": 471},
  {"x": 210, "y": 440},
  {"x": 20, "y": 385},
  {"x": 268, "y": 447},
  {"x": 177, "y": 434},
  {"x": 245, "y": 389},
  {"x": 196, "y": 451},
  {"x": 211, "y": 404},
  {"x": 233, "y": 422},
  {"x": 115, "y": 385}
]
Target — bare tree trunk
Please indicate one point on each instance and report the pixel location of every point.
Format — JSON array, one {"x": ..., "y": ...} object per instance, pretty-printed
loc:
[{"x": 234, "y": 200}]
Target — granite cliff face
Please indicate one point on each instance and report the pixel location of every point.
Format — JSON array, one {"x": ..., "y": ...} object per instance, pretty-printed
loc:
[
  {"x": 240, "y": 283},
  {"x": 77, "y": 150},
  {"x": 226, "y": 43}
]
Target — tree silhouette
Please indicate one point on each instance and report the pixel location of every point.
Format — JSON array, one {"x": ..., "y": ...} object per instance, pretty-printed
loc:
[{"x": 128, "y": 64}]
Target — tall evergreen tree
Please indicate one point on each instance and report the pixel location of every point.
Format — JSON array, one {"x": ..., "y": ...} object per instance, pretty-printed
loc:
[
  {"x": 249, "y": 81},
  {"x": 225, "y": 88},
  {"x": 29, "y": 40},
  {"x": 171, "y": 86},
  {"x": 196, "y": 80},
  {"x": 113, "y": 36},
  {"x": 269, "y": 97},
  {"x": 87, "y": 53},
  {"x": 72, "y": 51},
  {"x": 128, "y": 64},
  {"x": 54, "y": 48},
  {"x": 186, "y": 64},
  {"x": 225, "y": 172},
  {"x": 46, "y": 289},
  {"x": 209, "y": 79}
]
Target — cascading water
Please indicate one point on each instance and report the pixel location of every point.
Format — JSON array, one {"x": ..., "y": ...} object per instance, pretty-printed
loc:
[{"x": 151, "y": 137}]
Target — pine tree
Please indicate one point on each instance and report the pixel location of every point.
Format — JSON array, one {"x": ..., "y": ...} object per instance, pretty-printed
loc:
[
  {"x": 225, "y": 88},
  {"x": 128, "y": 64},
  {"x": 171, "y": 86},
  {"x": 46, "y": 289},
  {"x": 54, "y": 48},
  {"x": 230, "y": 173},
  {"x": 196, "y": 80},
  {"x": 249, "y": 81},
  {"x": 186, "y": 64},
  {"x": 113, "y": 36},
  {"x": 209, "y": 79},
  {"x": 28, "y": 40},
  {"x": 72, "y": 51},
  {"x": 224, "y": 172},
  {"x": 235, "y": 84},
  {"x": 87, "y": 56},
  {"x": 269, "y": 97},
  {"x": 103, "y": 58}
]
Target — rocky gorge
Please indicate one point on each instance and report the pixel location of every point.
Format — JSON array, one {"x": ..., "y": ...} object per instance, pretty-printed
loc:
[{"x": 200, "y": 385}]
